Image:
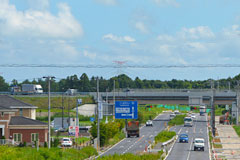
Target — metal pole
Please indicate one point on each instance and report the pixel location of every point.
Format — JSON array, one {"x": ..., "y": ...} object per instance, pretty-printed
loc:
[
  {"x": 229, "y": 86},
  {"x": 237, "y": 114},
  {"x": 49, "y": 114},
  {"x": 68, "y": 113},
  {"x": 107, "y": 106},
  {"x": 213, "y": 108},
  {"x": 113, "y": 99},
  {"x": 77, "y": 121},
  {"x": 48, "y": 78},
  {"x": 98, "y": 120},
  {"x": 62, "y": 111}
]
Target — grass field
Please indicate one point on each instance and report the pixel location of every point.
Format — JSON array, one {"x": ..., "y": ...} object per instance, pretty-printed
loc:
[{"x": 56, "y": 102}]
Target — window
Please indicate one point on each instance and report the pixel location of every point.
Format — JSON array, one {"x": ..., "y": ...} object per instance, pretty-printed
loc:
[
  {"x": 21, "y": 112},
  {"x": 34, "y": 137},
  {"x": 2, "y": 114},
  {"x": 17, "y": 137}
]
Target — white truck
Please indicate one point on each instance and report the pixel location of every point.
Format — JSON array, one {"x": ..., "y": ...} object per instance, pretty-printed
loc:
[{"x": 31, "y": 89}]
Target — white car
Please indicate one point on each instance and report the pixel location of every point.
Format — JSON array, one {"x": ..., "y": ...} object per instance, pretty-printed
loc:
[
  {"x": 66, "y": 142},
  {"x": 176, "y": 112},
  {"x": 198, "y": 144},
  {"x": 193, "y": 116},
  {"x": 172, "y": 115},
  {"x": 149, "y": 123}
]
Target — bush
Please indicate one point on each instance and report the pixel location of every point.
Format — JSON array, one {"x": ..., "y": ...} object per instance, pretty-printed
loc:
[
  {"x": 178, "y": 120},
  {"x": 10, "y": 153},
  {"x": 164, "y": 136},
  {"x": 130, "y": 156}
]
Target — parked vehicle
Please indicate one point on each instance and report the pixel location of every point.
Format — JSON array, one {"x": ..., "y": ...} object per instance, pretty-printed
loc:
[
  {"x": 66, "y": 142},
  {"x": 149, "y": 123},
  {"x": 198, "y": 144},
  {"x": 133, "y": 128},
  {"x": 183, "y": 138},
  {"x": 188, "y": 121}
]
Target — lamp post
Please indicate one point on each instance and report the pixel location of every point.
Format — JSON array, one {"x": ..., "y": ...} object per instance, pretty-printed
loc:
[{"x": 49, "y": 78}]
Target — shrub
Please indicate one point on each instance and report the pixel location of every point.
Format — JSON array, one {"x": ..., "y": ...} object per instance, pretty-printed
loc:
[
  {"x": 178, "y": 120},
  {"x": 164, "y": 136}
]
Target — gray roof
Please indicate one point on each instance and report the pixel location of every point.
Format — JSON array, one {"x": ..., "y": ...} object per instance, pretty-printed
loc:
[
  {"x": 19, "y": 120},
  {"x": 8, "y": 102}
]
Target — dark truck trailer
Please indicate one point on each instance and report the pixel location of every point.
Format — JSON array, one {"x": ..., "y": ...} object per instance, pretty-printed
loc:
[{"x": 133, "y": 128}]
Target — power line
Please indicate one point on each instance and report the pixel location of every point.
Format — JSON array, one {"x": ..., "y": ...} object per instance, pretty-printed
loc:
[{"x": 118, "y": 66}]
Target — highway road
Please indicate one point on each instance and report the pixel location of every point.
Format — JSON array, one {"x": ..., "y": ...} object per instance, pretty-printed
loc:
[
  {"x": 184, "y": 151},
  {"x": 138, "y": 144}
]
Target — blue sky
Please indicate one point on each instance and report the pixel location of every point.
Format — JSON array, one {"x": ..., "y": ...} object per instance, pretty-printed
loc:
[{"x": 141, "y": 32}]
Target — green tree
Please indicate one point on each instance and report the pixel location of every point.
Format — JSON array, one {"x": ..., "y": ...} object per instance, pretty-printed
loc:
[{"x": 3, "y": 85}]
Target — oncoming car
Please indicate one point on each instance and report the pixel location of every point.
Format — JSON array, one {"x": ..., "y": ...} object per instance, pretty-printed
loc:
[{"x": 149, "y": 123}]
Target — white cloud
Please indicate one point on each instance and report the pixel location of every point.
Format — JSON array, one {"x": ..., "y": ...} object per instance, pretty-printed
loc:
[
  {"x": 107, "y": 2},
  {"x": 39, "y": 4},
  {"x": 38, "y": 23},
  {"x": 141, "y": 27},
  {"x": 200, "y": 32},
  {"x": 89, "y": 54},
  {"x": 166, "y": 2},
  {"x": 118, "y": 38}
]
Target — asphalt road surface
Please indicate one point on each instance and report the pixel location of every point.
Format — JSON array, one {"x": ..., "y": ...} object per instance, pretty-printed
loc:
[
  {"x": 138, "y": 144},
  {"x": 184, "y": 151}
]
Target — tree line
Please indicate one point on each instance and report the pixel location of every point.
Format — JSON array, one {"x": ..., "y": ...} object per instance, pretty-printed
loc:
[{"x": 86, "y": 84}]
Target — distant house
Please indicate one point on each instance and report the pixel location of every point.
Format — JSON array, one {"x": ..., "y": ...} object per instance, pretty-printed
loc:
[
  {"x": 23, "y": 129},
  {"x": 17, "y": 120}
]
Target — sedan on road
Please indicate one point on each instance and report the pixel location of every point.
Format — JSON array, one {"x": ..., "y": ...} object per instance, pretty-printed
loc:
[
  {"x": 149, "y": 123},
  {"x": 183, "y": 138}
]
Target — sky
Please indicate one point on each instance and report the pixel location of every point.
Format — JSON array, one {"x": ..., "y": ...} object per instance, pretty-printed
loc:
[{"x": 136, "y": 32}]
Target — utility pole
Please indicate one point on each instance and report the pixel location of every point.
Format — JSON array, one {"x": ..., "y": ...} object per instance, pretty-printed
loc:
[
  {"x": 213, "y": 112},
  {"x": 98, "y": 120},
  {"x": 237, "y": 114},
  {"x": 68, "y": 112},
  {"x": 62, "y": 110},
  {"x": 229, "y": 85},
  {"x": 49, "y": 78},
  {"x": 107, "y": 105},
  {"x": 114, "y": 99}
]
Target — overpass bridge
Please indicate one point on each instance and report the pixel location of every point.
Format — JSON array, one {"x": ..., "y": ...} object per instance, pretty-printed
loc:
[{"x": 184, "y": 97}]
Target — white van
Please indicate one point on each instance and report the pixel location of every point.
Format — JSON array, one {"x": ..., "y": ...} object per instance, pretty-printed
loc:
[{"x": 188, "y": 121}]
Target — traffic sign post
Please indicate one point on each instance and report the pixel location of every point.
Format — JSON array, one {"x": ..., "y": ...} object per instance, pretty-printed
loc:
[
  {"x": 92, "y": 119},
  {"x": 126, "y": 110}
]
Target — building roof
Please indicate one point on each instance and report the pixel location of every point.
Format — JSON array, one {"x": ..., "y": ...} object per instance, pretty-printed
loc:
[
  {"x": 8, "y": 102},
  {"x": 19, "y": 120}
]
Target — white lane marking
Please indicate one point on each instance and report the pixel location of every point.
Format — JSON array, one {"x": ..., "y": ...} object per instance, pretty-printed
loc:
[
  {"x": 110, "y": 148},
  {"x": 133, "y": 144},
  {"x": 150, "y": 136},
  {"x": 209, "y": 152},
  {"x": 172, "y": 145},
  {"x": 121, "y": 146},
  {"x": 190, "y": 149}
]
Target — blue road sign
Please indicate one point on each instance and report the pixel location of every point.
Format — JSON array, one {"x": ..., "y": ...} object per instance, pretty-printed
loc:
[
  {"x": 92, "y": 119},
  {"x": 126, "y": 110},
  {"x": 79, "y": 101}
]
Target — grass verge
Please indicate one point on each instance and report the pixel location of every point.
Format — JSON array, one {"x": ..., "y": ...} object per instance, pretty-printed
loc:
[
  {"x": 178, "y": 120},
  {"x": 237, "y": 129},
  {"x": 164, "y": 136},
  {"x": 130, "y": 156},
  {"x": 9, "y": 153}
]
